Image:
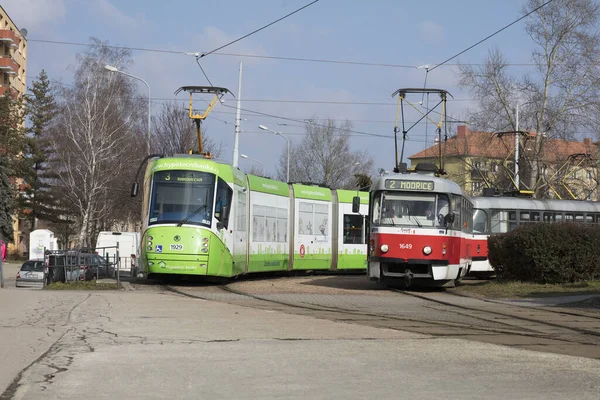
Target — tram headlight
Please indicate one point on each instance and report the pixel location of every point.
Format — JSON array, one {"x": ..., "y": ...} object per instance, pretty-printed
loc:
[
  {"x": 427, "y": 250},
  {"x": 150, "y": 238},
  {"x": 149, "y": 243},
  {"x": 384, "y": 248},
  {"x": 149, "y": 248}
]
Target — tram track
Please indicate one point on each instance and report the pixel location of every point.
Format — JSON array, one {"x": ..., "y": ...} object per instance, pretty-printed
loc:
[
  {"x": 532, "y": 337},
  {"x": 514, "y": 315}
]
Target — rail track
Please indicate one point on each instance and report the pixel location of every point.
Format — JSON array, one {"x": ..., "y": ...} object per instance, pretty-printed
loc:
[{"x": 437, "y": 314}]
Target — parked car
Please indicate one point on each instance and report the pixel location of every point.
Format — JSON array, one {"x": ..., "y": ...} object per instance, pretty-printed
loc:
[{"x": 31, "y": 274}]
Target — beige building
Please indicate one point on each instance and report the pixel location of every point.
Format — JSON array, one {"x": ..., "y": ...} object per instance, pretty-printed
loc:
[
  {"x": 476, "y": 160},
  {"x": 13, "y": 78},
  {"x": 13, "y": 56}
]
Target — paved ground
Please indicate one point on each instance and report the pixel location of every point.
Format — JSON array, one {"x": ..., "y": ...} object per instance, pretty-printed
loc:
[{"x": 157, "y": 345}]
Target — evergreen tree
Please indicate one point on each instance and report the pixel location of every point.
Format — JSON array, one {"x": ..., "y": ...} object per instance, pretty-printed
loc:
[
  {"x": 11, "y": 141},
  {"x": 37, "y": 201},
  {"x": 6, "y": 201}
]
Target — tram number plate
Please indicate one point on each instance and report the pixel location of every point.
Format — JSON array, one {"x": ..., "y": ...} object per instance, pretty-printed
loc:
[
  {"x": 176, "y": 247},
  {"x": 405, "y": 246}
]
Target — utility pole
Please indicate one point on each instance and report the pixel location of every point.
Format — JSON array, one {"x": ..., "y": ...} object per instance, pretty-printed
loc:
[
  {"x": 517, "y": 147},
  {"x": 236, "y": 138}
]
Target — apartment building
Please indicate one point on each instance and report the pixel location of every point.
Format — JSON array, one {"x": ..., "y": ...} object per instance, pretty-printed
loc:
[
  {"x": 566, "y": 169},
  {"x": 13, "y": 78},
  {"x": 13, "y": 56}
]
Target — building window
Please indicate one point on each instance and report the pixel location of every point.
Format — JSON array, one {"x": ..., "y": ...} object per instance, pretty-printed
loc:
[{"x": 475, "y": 187}]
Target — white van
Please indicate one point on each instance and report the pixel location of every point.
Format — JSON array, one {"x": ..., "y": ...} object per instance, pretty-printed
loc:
[{"x": 128, "y": 244}]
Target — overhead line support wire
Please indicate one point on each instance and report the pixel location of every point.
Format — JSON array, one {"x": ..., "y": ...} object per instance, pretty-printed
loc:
[
  {"x": 493, "y": 34},
  {"x": 315, "y": 60},
  {"x": 259, "y": 29}
]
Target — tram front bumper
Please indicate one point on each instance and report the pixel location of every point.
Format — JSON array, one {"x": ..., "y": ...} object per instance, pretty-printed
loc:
[{"x": 177, "y": 264}]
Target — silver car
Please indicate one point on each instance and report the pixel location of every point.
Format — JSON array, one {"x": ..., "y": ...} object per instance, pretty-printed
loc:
[{"x": 31, "y": 274}]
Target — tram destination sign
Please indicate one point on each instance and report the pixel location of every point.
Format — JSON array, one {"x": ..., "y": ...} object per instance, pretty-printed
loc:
[
  {"x": 399, "y": 184},
  {"x": 179, "y": 176}
]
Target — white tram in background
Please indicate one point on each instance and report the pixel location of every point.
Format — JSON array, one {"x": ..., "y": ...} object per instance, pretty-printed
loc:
[
  {"x": 494, "y": 214},
  {"x": 420, "y": 228}
]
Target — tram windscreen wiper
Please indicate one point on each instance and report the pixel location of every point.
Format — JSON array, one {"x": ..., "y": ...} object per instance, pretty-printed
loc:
[
  {"x": 415, "y": 218},
  {"x": 196, "y": 211}
]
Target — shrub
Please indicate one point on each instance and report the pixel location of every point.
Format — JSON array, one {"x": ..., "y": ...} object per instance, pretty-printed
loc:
[{"x": 547, "y": 253}]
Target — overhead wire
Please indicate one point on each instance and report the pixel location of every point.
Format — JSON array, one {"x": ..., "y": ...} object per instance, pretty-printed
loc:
[
  {"x": 259, "y": 29},
  {"x": 282, "y": 58},
  {"x": 493, "y": 34}
]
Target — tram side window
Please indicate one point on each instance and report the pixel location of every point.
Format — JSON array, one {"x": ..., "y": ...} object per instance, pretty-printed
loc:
[
  {"x": 512, "y": 220},
  {"x": 569, "y": 217},
  {"x": 549, "y": 217},
  {"x": 529, "y": 216},
  {"x": 579, "y": 218},
  {"x": 223, "y": 203},
  {"x": 353, "y": 228},
  {"x": 376, "y": 210},
  {"x": 589, "y": 219},
  {"x": 456, "y": 209},
  {"x": 499, "y": 222}
]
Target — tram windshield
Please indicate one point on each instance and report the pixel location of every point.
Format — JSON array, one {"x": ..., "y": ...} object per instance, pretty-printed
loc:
[
  {"x": 182, "y": 196},
  {"x": 410, "y": 209}
]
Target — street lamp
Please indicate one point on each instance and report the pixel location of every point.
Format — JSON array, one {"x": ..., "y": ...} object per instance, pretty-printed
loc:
[
  {"x": 255, "y": 160},
  {"x": 115, "y": 69},
  {"x": 264, "y": 128}
]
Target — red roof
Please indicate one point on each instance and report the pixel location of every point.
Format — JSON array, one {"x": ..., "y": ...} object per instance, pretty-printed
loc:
[{"x": 490, "y": 145}]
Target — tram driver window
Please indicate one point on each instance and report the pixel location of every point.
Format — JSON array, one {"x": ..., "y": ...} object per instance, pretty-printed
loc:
[
  {"x": 480, "y": 221},
  {"x": 223, "y": 202}
]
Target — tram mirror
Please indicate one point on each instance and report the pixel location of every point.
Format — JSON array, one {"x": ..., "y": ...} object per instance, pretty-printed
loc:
[
  {"x": 355, "y": 204},
  {"x": 449, "y": 218},
  {"x": 134, "y": 189}
]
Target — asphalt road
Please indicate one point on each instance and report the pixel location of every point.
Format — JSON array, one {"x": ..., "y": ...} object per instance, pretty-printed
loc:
[{"x": 157, "y": 344}]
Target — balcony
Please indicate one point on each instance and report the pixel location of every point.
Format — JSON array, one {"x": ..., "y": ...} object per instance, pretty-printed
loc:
[
  {"x": 8, "y": 66},
  {"x": 4, "y": 87},
  {"x": 9, "y": 37}
]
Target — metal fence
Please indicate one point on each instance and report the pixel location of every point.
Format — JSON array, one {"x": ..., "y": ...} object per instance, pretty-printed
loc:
[{"x": 83, "y": 264}]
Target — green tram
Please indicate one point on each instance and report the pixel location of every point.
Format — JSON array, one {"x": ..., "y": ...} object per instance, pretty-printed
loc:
[{"x": 205, "y": 218}]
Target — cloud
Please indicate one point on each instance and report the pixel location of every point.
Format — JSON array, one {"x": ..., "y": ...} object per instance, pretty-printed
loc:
[
  {"x": 431, "y": 31},
  {"x": 113, "y": 15},
  {"x": 31, "y": 14}
]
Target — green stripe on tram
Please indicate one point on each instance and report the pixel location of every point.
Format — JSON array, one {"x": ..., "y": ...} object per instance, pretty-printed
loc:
[
  {"x": 265, "y": 185},
  {"x": 346, "y": 196},
  {"x": 311, "y": 192}
]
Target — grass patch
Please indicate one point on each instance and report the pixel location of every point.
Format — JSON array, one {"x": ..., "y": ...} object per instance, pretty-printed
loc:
[
  {"x": 496, "y": 289},
  {"x": 81, "y": 285}
]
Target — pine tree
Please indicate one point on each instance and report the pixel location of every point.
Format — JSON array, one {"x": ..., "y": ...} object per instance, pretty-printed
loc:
[
  {"x": 37, "y": 201},
  {"x": 6, "y": 201},
  {"x": 11, "y": 142}
]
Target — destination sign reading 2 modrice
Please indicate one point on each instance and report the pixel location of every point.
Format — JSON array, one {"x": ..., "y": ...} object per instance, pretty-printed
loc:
[{"x": 399, "y": 184}]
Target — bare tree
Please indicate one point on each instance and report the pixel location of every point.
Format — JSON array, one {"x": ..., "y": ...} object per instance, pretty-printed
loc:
[
  {"x": 324, "y": 156},
  {"x": 175, "y": 132},
  {"x": 558, "y": 98},
  {"x": 96, "y": 137}
]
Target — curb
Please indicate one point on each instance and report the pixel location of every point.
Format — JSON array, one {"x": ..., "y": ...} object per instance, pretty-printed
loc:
[{"x": 127, "y": 286}]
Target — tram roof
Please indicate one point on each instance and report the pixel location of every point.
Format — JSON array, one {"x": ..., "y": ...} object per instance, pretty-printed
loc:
[
  {"x": 440, "y": 185},
  {"x": 515, "y": 203}
]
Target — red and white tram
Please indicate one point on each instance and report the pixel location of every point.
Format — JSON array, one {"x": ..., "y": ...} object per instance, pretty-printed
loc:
[
  {"x": 494, "y": 214},
  {"x": 420, "y": 228}
]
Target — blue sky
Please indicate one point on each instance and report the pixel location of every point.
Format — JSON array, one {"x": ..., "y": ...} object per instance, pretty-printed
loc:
[{"x": 379, "y": 31}]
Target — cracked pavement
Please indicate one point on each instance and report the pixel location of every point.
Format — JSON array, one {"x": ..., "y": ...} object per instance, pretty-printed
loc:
[{"x": 156, "y": 345}]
